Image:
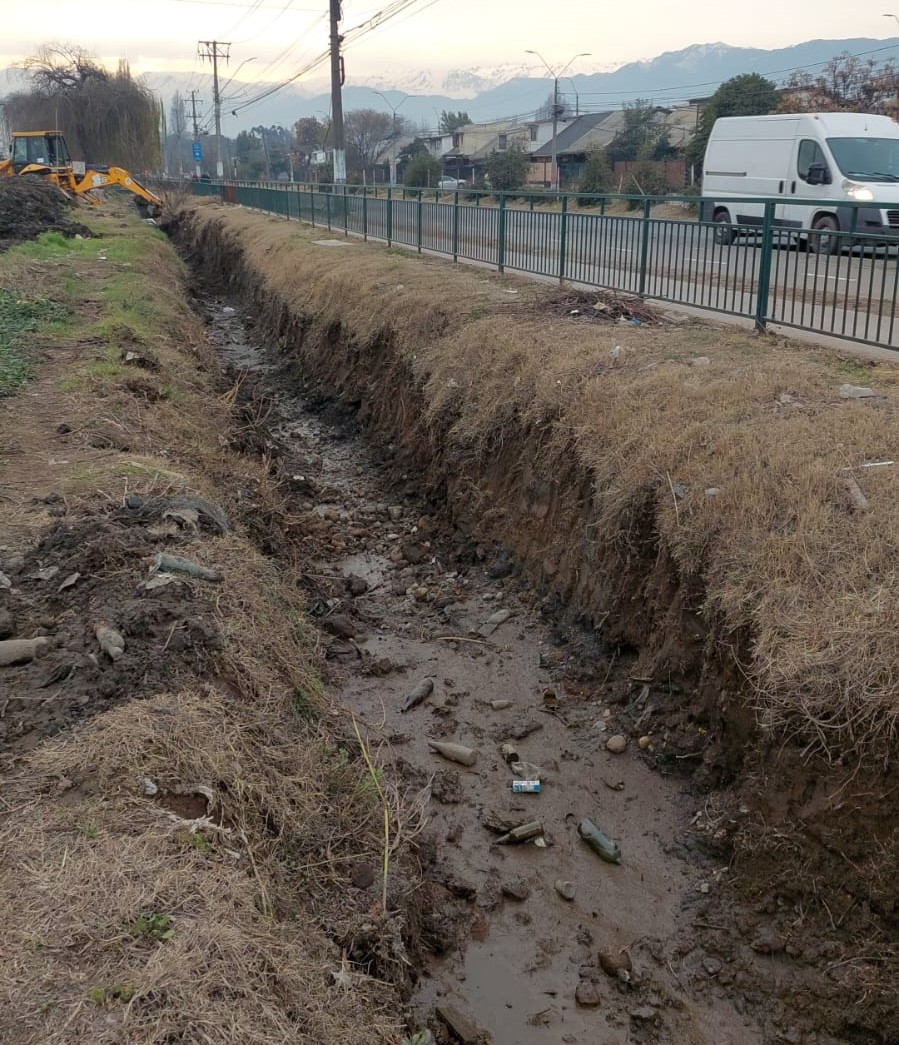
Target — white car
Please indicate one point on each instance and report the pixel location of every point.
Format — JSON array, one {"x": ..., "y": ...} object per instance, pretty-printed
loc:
[{"x": 450, "y": 183}]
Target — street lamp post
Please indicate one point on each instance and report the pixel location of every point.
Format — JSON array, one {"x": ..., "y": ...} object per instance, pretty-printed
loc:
[
  {"x": 393, "y": 109},
  {"x": 555, "y": 75}
]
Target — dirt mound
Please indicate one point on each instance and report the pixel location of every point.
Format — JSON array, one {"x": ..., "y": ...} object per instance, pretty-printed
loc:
[{"x": 30, "y": 206}]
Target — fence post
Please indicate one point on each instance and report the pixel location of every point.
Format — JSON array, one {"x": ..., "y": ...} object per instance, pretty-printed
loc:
[
  {"x": 563, "y": 237},
  {"x": 418, "y": 230},
  {"x": 644, "y": 245},
  {"x": 456, "y": 226},
  {"x": 346, "y": 212},
  {"x": 328, "y": 209},
  {"x": 501, "y": 234},
  {"x": 365, "y": 215},
  {"x": 761, "y": 298},
  {"x": 389, "y": 216}
]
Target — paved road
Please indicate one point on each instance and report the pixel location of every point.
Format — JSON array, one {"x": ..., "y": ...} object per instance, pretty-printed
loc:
[{"x": 849, "y": 294}]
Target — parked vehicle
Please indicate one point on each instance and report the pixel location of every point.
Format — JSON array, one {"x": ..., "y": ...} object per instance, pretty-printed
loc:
[
  {"x": 834, "y": 158},
  {"x": 451, "y": 183}
]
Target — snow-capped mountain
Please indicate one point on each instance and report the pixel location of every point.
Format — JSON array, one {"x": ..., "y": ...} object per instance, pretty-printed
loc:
[{"x": 492, "y": 92}]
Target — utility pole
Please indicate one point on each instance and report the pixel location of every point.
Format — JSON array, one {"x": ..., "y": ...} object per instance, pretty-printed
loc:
[
  {"x": 555, "y": 74},
  {"x": 215, "y": 50},
  {"x": 337, "y": 78},
  {"x": 196, "y": 142}
]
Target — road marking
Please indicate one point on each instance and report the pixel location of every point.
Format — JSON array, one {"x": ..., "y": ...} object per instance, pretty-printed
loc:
[{"x": 841, "y": 279}]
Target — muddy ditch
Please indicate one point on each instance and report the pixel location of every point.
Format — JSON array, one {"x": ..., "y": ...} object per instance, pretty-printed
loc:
[{"x": 721, "y": 915}]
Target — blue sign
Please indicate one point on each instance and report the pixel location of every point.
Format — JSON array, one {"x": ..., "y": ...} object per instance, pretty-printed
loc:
[{"x": 198, "y": 152}]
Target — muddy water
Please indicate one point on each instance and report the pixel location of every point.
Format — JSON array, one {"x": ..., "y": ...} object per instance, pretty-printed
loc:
[{"x": 419, "y": 610}]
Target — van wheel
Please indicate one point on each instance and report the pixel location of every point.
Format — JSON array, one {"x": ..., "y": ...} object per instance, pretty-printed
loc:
[
  {"x": 822, "y": 239},
  {"x": 724, "y": 232}
]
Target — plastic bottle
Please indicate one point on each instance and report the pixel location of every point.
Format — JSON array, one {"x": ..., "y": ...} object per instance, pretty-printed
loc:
[{"x": 599, "y": 841}]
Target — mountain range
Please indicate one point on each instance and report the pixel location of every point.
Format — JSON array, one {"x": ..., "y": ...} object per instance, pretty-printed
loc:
[{"x": 488, "y": 93}]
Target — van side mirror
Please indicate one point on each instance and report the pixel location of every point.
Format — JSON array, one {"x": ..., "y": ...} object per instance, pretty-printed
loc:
[{"x": 818, "y": 174}]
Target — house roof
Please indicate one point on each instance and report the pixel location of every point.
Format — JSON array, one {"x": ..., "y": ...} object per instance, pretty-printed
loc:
[{"x": 595, "y": 128}]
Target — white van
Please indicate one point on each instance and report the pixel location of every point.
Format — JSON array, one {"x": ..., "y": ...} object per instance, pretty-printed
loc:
[{"x": 833, "y": 157}]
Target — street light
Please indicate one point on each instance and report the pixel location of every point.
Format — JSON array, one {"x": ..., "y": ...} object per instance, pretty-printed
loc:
[
  {"x": 555, "y": 75},
  {"x": 393, "y": 109}
]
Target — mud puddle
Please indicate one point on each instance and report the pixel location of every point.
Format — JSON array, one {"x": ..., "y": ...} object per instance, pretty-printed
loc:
[{"x": 398, "y": 599}]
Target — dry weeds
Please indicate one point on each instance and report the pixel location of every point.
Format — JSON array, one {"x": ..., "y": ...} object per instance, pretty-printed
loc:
[
  {"x": 126, "y": 916},
  {"x": 656, "y": 419}
]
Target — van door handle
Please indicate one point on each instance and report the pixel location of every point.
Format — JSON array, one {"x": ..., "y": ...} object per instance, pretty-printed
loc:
[
  {"x": 780, "y": 187},
  {"x": 792, "y": 186}
]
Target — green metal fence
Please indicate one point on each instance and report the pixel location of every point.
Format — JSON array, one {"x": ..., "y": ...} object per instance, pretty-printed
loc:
[{"x": 845, "y": 286}]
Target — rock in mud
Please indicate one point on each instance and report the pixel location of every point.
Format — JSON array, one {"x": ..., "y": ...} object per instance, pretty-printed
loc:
[
  {"x": 493, "y": 622},
  {"x": 500, "y": 705},
  {"x": 616, "y": 963},
  {"x": 461, "y": 887},
  {"x": 21, "y": 651},
  {"x": 418, "y": 693},
  {"x": 856, "y": 392},
  {"x": 356, "y": 585},
  {"x": 524, "y": 729},
  {"x": 111, "y": 641},
  {"x": 587, "y": 995},
  {"x": 616, "y": 744},
  {"x": 339, "y": 626},
  {"x": 767, "y": 941},
  {"x": 564, "y": 888},
  {"x": 7, "y": 624},
  {"x": 164, "y": 563},
  {"x": 460, "y": 1026},
  {"x": 516, "y": 890}
]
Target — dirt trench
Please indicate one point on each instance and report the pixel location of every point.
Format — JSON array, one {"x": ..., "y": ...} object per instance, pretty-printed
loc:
[{"x": 413, "y": 570}]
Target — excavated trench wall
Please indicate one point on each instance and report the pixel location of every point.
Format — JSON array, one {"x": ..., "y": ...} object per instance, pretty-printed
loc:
[
  {"x": 524, "y": 489},
  {"x": 703, "y": 603}
]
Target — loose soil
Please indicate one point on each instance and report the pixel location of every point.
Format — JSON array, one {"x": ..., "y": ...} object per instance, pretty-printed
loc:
[{"x": 195, "y": 833}]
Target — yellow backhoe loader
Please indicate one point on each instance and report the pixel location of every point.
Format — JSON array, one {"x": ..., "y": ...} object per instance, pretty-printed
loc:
[{"x": 45, "y": 153}]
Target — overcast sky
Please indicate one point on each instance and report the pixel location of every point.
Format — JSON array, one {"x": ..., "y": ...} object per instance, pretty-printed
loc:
[{"x": 280, "y": 36}]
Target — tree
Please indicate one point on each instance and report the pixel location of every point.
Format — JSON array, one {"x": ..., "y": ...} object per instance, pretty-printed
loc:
[
  {"x": 451, "y": 121},
  {"x": 367, "y": 131},
  {"x": 746, "y": 95},
  {"x": 106, "y": 117},
  {"x": 845, "y": 84},
  {"x": 644, "y": 131},
  {"x": 597, "y": 173},
  {"x": 423, "y": 170},
  {"x": 507, "y": 170}
]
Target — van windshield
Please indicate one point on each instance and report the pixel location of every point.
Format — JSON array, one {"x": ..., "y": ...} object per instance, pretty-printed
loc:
[{"x": 867, "y": 159}]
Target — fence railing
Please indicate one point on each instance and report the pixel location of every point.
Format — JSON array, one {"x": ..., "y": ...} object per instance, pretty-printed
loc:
[{"x": 839, "y": 281}]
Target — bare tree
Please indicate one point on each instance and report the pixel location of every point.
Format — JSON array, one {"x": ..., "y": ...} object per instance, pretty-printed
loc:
[
  {"x": 846, "y": 84},
  {"x": 367, "y": 132},
  {"x": 106, "y": 117}
]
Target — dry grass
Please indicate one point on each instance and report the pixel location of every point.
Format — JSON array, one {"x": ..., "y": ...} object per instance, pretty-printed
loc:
[
  {"x": 125, "y": 917},
  {"x": 779, "y": 553}
]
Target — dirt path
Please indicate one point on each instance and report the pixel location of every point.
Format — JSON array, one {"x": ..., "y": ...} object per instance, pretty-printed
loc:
[{"x": 400, "y": 600}]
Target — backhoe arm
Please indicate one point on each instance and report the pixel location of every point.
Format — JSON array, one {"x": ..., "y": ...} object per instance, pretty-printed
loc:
[{"x": 115, "y": 176}]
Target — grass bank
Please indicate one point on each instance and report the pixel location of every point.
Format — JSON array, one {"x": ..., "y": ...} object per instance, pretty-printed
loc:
[{"x": 181, "y": 823}]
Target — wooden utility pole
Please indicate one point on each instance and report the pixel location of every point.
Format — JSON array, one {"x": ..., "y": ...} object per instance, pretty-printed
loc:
[
  {"x": 337, "y": 77},
  {"x": 215, "y": 50}
]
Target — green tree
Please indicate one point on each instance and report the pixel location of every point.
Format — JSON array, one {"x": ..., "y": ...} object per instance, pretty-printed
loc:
[
  {"x": 423, "y": 170},
  {"x": 748, "y": 94},
  {"x": 451, "y": 121},
  {"x": 507, "y": 170},
  {"x": 644, "y": 131},
  {"x": 597, "y": 173}
]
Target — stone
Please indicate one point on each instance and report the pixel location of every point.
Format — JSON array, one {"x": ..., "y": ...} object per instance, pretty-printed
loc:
[
  {"x": 460, "y": 1026},
  {"x": 587, "y": 995},
  {"x": 767, "y": 941},
  {"x": 7, "y": 624},
  {"x": 615, "y": 963},
  {"x": 564, "y": 888},
  {"x": 518, "y": 889},
  {"x": 856, "y": 392},
  {"x": 712, "y": 966},
  {"x": 643, "y": 1013},
  {"x": 616, "y": 744}
]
